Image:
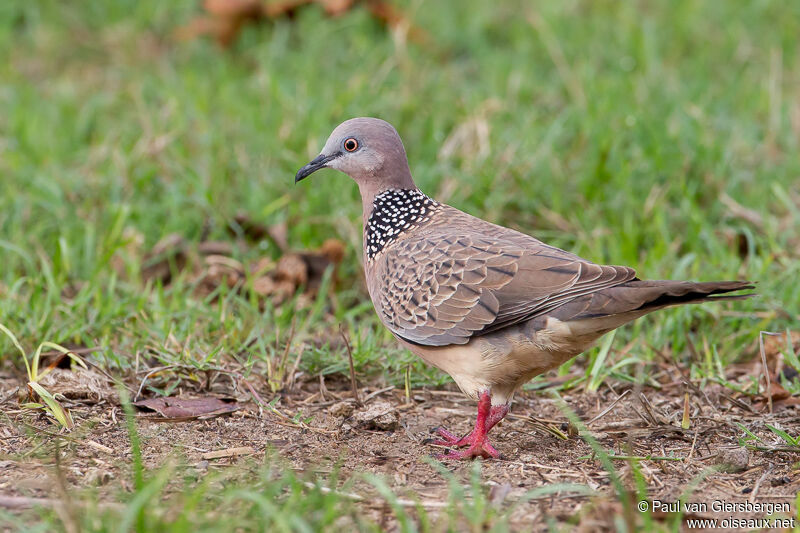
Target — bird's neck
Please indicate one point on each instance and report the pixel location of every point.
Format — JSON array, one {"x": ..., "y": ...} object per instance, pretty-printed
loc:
[
  {"x": 393, "y": 213},
  {"x": 370, "y": 190}
]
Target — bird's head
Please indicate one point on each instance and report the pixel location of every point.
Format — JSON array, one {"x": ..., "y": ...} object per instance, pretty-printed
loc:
[{"x": 369, "y": 150}]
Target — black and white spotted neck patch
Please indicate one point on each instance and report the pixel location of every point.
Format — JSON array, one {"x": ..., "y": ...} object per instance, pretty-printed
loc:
[{"x": 393, "y": 212}]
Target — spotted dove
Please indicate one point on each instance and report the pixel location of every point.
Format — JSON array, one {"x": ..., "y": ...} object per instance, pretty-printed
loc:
[{"x": 490, "y": 306}]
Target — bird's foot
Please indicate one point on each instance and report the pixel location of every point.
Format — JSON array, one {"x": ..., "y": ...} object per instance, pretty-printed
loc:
[
  {"x": 450, "y": 439},
  {"x": 478, "y": 447},
  {"x": 477, "y": 440}
]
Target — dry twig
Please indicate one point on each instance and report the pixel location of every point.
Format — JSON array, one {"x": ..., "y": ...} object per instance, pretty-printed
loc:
[{"x": 353, "y": 382}]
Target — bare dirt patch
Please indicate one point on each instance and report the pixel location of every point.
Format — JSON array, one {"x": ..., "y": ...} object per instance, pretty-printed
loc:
[{"x": 321, "y": 429}]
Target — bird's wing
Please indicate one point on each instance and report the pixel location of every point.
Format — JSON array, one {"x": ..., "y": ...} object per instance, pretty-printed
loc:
[{"x": 446, "y": 283}]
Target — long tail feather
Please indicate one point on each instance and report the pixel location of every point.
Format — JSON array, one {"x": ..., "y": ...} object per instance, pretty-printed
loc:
[{"x": 627, "y": 301}]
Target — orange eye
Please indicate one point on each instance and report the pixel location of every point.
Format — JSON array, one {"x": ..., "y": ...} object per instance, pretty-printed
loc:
[{"x": 351, "y": 145}]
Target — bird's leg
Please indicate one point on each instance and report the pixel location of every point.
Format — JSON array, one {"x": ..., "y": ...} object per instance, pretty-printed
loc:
[
  {"x": 477, "y": 439},
  {"x": 496, "y": 414}
]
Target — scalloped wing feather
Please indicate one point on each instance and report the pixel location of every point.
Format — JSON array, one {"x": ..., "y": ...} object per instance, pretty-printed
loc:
[{"x": 437, "y": 287}]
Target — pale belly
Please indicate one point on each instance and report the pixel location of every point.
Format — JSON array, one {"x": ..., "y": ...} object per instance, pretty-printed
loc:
[{"x": 503, "y": 361}]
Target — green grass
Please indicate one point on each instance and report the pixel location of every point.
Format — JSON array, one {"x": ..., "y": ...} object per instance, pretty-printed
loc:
[
  {"x": 272, "y": 498},
  {"x": 615, "y": 129}
]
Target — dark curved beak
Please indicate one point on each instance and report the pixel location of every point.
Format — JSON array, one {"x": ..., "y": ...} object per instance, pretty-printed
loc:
[{"x": 321, "y": 161}]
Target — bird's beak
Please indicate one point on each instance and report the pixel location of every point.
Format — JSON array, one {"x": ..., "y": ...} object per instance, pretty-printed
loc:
[{"x": 321, "y": 161}]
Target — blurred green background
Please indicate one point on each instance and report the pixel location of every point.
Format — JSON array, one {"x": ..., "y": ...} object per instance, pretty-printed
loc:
[
  {"x": 621, "y": 131},
  {"x": 659, "y": 134}
]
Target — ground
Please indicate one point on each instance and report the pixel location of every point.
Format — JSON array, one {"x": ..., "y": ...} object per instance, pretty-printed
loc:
[
  {"x": 149, "y": 225},
  {"x": 541, "y": 448}
]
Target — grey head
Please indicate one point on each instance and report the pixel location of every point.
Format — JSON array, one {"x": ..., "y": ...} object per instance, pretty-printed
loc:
[{"x": 370, "y": 151}]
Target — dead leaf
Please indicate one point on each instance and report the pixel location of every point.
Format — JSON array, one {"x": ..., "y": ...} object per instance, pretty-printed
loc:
[
  {"x": 498, "y": 493},
  {"x": 295, "y": 270},
  {"x": 781, "y": 397},
  {"x": 172, "y": 249},
  {"x": 287, "y": 8},
  {"x": 215, "y": 248},
  {"x": 330, "y": 253},
  {"x": 211, "y": 266},
  {"x": 774, "y": 347},
  {"x": 179, "y": 409},
  {"x": 292, "y": 268},
  {"x": 737, "y": 241},
  {"x": 279, "y": 233},
  {"x": 233, "y": 8},
  {"x": 221, "y": 270},
  {"x": 224, "y": 19},
  {"x": 336, "y": 7},
  {"x": 244, "y": 226}
]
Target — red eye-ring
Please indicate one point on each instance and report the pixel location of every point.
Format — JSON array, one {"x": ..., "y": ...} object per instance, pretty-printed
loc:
[{"x": 351, "y": 145}]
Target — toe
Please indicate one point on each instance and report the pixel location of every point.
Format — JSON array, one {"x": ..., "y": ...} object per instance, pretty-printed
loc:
[
  {"x": 490, "y": 451},
  {"x": 448, "y": 438},
  {"x": 476, "y": 449}
]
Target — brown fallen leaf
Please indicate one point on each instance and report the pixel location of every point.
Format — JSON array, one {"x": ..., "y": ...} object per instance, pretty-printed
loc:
[
  {"x": 292, "y": 268},
  {"x": 210, "y": 264},
  {"x": 279, "y": 234},
  {"x": 781, "y": 398},
  {"x": 737, "y": 241},
  {"x": 774, "y": 348},
  {"x": 224, "y": 19},
  {"x": 330, "y": 253},
  {"x": 218, "y": 270},
  {"x": 179, "y": 409},
  {"x": 296, "y": 269},
  {"x": 215, "y": 248},
  {"x": 233, "y": 8},
  {"x": 172, "y": 249},
  {"x": 244, "y": 226},
  {"x": 336, "y": 7}
]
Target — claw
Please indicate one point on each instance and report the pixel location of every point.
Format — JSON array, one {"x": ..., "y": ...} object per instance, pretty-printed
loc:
[
  {"x": 483, "y": 449},
  {"x": 477, "y": 439}
]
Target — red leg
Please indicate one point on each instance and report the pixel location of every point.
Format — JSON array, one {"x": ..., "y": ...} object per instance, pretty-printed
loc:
[
  {"x": 496, "y": 414},
  {"x": 477, "y": 439}
]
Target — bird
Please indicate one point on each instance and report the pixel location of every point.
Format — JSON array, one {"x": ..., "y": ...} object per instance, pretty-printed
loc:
[{"x": 490, "y": 306}]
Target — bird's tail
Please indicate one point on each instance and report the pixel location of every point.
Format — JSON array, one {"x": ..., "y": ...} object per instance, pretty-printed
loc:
[
  {"x": 645, "y": 295},
  {"x": 609, "y": 308}
]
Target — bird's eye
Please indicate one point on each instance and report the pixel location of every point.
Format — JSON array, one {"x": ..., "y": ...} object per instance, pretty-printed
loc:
[{"x": 351, "y": 144}]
